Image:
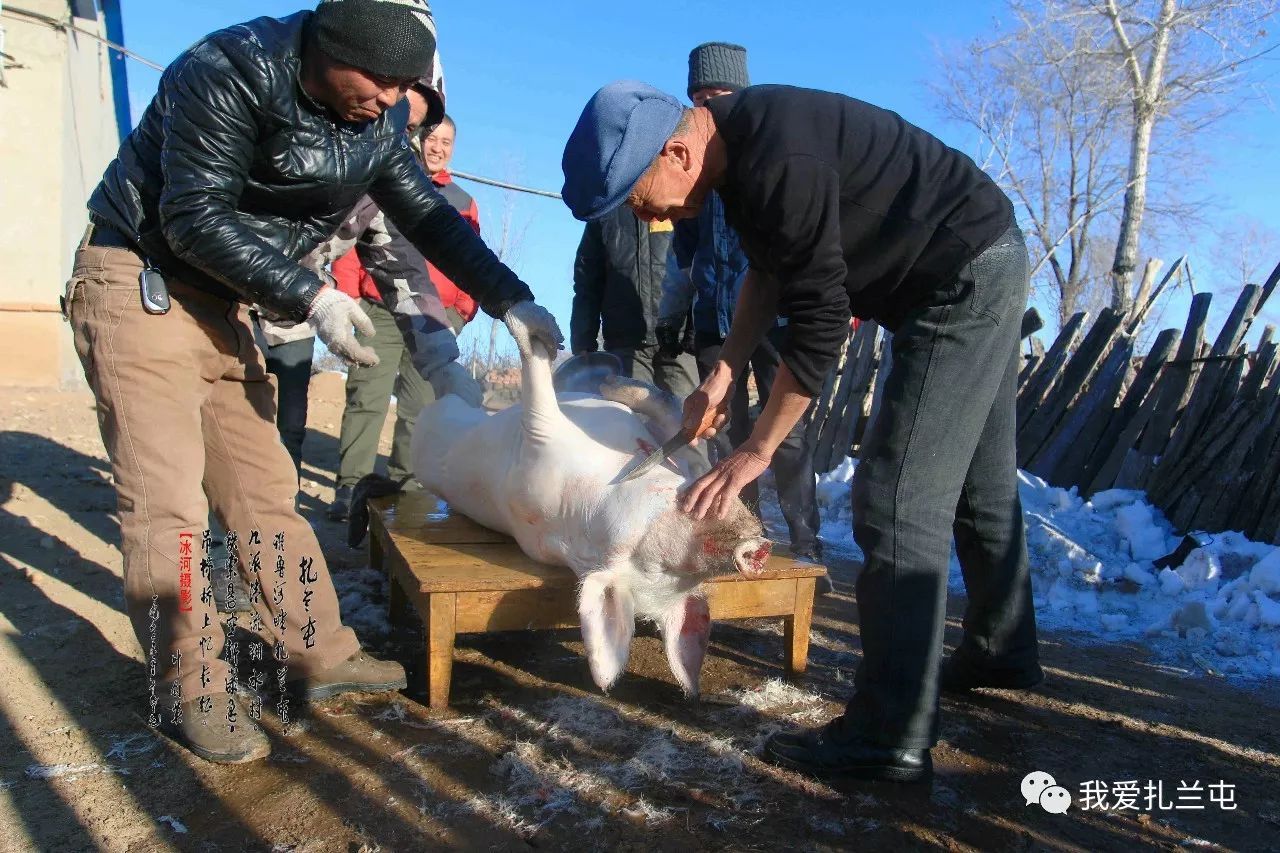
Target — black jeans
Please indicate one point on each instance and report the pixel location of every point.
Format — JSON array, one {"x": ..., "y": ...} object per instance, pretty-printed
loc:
[
  {"x": 792, "y": 463},
  {"x": 939, "y": 462},
  {"x": 674, "y": 375},
  {"x": 291, "y": 365}
]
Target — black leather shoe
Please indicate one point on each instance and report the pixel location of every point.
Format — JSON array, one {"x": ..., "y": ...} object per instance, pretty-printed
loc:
[
  {"x": 960, "y": 675},
  {"x": 812, "y": 553},
  {"x": 820, "y": 754},
  {"x": 341, "y": 506}
]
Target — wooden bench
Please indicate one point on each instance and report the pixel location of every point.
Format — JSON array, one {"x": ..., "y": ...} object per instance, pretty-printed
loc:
[{"x": 465, "y": 578}]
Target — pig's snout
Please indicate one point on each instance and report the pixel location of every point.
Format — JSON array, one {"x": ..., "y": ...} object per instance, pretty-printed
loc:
[{"x": 750, "y": 556}]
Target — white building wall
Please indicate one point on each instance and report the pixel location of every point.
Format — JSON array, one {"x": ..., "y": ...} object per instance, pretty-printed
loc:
[{"x": 57, "y": 135}]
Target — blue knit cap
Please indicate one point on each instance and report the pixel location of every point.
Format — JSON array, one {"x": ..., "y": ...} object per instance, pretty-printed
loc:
[{"x": 621, "y": 131}]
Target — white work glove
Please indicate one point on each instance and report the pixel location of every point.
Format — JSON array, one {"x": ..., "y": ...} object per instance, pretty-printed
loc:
[
  {"x": 453, "y": 378},
  {"x": 530, "y": 323},
  {"x": 333, "y": 313}
]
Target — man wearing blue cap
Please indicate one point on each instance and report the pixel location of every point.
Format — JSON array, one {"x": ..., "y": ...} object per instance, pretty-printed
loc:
[
  {"x": 706, "y": 267},
  {"x": 845, "y": 209}
]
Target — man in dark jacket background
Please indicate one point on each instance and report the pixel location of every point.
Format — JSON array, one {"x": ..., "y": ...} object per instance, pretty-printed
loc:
[
  {"x": 706, "y": 267},
  {"x": 617, "y": 286},
  {"x": 844, "y": 208},
  {"x": 260, "y": 140}
]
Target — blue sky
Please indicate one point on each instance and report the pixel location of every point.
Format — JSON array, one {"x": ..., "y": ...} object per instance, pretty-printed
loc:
[{"x": 518, "y": 74}]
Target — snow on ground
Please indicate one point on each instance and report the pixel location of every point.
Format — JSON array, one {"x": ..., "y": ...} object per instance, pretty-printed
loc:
[
  {"x": 1092, "y": 573},
  {"x": 362, "y": 599}
]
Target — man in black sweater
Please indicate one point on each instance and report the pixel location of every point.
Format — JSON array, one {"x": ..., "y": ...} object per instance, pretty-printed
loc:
[{"x": 845, "y": 208}]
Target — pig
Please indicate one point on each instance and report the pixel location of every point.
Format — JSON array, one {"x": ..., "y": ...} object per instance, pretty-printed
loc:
[{"x": 547, "y": 472}]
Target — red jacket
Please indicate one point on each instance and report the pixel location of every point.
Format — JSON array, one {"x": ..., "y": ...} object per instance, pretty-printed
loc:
[{"x": 355, "y": 282}]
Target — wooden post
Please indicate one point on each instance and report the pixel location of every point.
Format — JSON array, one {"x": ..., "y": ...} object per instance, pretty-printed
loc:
[
  {"x": 1117, "y": 439},
  {"x": 1075, "y": 376},
  {"x": 1041, "y": 381},
  {"x": 1223, "y": 504},
  {"x": 1143, "y": 304},
  {"x": 1084, "y": 420},
  {"x": 1171, "y": 393},
  {"x": 1203, "y": 394}
]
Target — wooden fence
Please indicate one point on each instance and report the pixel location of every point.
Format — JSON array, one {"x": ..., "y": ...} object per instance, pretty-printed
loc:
[{"x": 1195, "y": 424}]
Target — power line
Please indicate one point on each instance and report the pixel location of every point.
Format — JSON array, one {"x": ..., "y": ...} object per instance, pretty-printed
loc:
[
  {"x": 66, "y": 25},
  {"x": 504, "y": 185}
]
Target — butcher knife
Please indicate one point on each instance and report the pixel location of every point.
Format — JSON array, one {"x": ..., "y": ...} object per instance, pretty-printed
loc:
[{"x": 670, "y": 446}]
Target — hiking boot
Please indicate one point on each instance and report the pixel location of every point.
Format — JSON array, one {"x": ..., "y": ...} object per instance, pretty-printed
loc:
[
  {"x": 359, "y": 673},
  {"x": 341, "y": 506},
  {"x": 960, "y": 675},
  {"x": 828, "y": 753},
  {"x": 209, "y": 736}
]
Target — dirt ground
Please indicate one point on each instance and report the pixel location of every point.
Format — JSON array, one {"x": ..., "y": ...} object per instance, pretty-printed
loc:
[{"x": 532, "y": 755}]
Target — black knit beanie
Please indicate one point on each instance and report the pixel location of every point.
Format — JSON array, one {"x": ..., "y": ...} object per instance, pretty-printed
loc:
[
  {"x": 718, "y": 65},
  {"x": 388, "y": 38}
]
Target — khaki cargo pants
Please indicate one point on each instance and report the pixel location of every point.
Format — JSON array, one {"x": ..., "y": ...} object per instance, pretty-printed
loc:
[{"x": 187, "y": 413}]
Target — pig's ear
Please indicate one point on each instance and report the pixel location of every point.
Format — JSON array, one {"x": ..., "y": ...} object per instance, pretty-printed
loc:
[
  {"x": 686, "y": 631},
  {"x": 608, "y": 621}
]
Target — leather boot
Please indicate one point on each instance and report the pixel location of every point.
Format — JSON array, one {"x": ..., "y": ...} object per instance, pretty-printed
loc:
[
  {"x": 960, "y": 674},
  {"x": 829, "y": 753},
  {"x": 359, "y": 673},
  {"x": 209, "y": 736}
]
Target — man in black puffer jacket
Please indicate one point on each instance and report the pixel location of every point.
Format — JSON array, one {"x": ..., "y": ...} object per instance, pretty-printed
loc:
[
  {"x": 617, "y": 284},
  {"x": 260, "y": 140}
]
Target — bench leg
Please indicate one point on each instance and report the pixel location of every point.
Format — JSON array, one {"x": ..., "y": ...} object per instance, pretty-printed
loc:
[
  {"x": 797, "y": 627},
  {"x": 397, "y": 602},
  {"x": 441, "y": 609},
  {"x": 375, "y": 552}
]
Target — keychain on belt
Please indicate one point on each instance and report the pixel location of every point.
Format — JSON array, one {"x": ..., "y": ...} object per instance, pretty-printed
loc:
[{"x": 155, "y": 293}]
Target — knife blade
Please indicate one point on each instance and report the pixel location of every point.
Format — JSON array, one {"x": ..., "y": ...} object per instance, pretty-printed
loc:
[{"x": 657, "y": 457}]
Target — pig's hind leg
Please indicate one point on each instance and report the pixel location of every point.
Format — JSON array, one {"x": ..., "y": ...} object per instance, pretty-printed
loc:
[
  {"x": 662, "y": 413},
  {"x": 660, "y": 410}
]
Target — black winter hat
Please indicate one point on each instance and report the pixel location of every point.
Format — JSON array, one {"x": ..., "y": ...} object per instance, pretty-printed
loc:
[
  {"x": 718, "y": 65},
  {"x": 388, "y": 38}
]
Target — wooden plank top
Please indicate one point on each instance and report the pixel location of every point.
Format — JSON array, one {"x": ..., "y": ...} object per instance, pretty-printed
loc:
[{"x": 447, "y": 552}]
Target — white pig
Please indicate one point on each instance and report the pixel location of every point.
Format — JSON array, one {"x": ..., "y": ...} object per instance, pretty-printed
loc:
[{"x": 546, "y": 473}]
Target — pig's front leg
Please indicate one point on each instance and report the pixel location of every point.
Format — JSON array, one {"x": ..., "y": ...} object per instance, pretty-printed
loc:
[
  {"x": 606, "y": 611},
  {"x": 686, "y": 633}
]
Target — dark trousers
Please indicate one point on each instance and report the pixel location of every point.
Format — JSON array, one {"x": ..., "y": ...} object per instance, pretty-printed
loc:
[
  {"x": 290, "y": 363},
  {"x": 369, "y": 391},
  {"x": 674, "y": 375},
  {"x": 792, "y": 463},
  {"x": 939, "y": 462}
]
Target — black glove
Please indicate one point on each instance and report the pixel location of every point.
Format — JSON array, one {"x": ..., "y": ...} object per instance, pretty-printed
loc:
[{"x": 669, "y": 343}]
